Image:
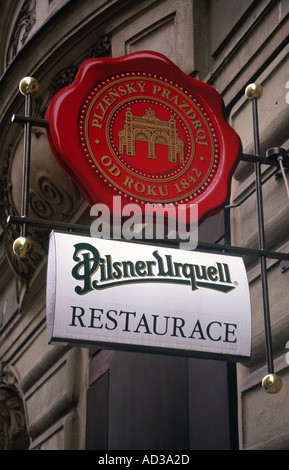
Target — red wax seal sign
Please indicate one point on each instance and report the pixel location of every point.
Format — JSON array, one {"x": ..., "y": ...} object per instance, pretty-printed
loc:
[{"x": 139, "y": 128}]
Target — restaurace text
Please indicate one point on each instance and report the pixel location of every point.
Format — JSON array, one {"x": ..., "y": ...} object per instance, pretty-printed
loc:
[{"x": 152, "y": 324}]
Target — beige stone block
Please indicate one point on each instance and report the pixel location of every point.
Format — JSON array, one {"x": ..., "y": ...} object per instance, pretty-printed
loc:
[
  {"x": 245, "y": 53},
  {"x": 36, "y": 359},
  {"x": 276, "y": 215},
  {"x": 55, "y": 441},
  {"x": 265, "y": 419},
  {"x": 63, "y": 435},
  {"x": 59, "y": 390},
  {"x": 166, "y": 27},
  {"x": 279, "y": 319},
  {"x": 273, "y": 110}
]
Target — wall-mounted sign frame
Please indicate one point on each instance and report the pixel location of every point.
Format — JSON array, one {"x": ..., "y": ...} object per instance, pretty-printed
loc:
[{"x": 22, "y": 245}]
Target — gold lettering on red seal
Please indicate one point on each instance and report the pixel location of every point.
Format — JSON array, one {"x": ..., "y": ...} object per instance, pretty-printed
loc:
[{"x": 150, "y": 139}]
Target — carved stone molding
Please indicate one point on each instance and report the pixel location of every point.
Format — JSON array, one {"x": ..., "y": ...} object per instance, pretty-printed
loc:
[
  {"x": 102, "y": 48},
  {"x": 52, "y": 194},
  {"x": 65, "y": 76},
  {"x": 13, "y": 434},
  {"x": 24, "y": 23}
]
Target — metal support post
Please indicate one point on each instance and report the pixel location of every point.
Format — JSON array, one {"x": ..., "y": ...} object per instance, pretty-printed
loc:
[
  {"x": 22, "y": 245},
  {"x": 271, "y": 382},
  {"x": 26, "y": 165}
]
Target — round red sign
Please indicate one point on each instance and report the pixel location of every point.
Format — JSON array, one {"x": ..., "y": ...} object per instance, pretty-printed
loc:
[{"x": 140, "y": 128}]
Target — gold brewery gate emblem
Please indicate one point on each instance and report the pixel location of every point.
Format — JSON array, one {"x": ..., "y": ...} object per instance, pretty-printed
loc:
[{"x": 148, "y": 139}]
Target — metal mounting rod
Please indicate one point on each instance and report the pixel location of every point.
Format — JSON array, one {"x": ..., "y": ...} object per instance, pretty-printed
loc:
[
  {"x": 26, "y": 165},
  {"x": 27, "y": 87},
  {"x": 85, "y": 229},
  {"x": 257, "y": 158},
  {"x": 19, "y": 119},
  {"x": 261, "y": 241}
]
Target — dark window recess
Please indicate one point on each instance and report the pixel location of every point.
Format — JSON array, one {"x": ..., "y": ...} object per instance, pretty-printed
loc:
[
  {"x": 156, "y": 402},
  {"x": 97, "y": 414}
]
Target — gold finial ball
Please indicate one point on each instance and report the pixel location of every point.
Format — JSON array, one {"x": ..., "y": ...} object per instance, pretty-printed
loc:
[
  {"x": 28, "y": 85},
  {"x": 22, "y": 246},
  {"x": 254, "y": 90},
  {"x": 272, "y": 383}
]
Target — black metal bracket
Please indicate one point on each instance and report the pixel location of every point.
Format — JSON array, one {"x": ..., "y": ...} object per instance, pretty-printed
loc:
[
  {"x": 84, "y": 229},
  {"x": 271, "y": 159},
  {"x": 19, "y": 119}
]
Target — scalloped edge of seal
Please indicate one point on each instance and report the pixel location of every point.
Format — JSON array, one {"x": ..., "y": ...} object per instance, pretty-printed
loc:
[{"x": 67, "y": 145}]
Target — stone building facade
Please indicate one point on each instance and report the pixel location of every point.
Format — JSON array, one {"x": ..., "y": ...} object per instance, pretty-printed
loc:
[{"x": 54, "y": 397}]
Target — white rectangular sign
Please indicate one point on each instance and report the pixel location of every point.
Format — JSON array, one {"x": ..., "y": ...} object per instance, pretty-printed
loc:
[{"x": 131, "y": 296}]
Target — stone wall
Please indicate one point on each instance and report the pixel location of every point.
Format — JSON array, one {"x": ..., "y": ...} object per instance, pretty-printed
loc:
[{"x": 227, "y": 44}]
